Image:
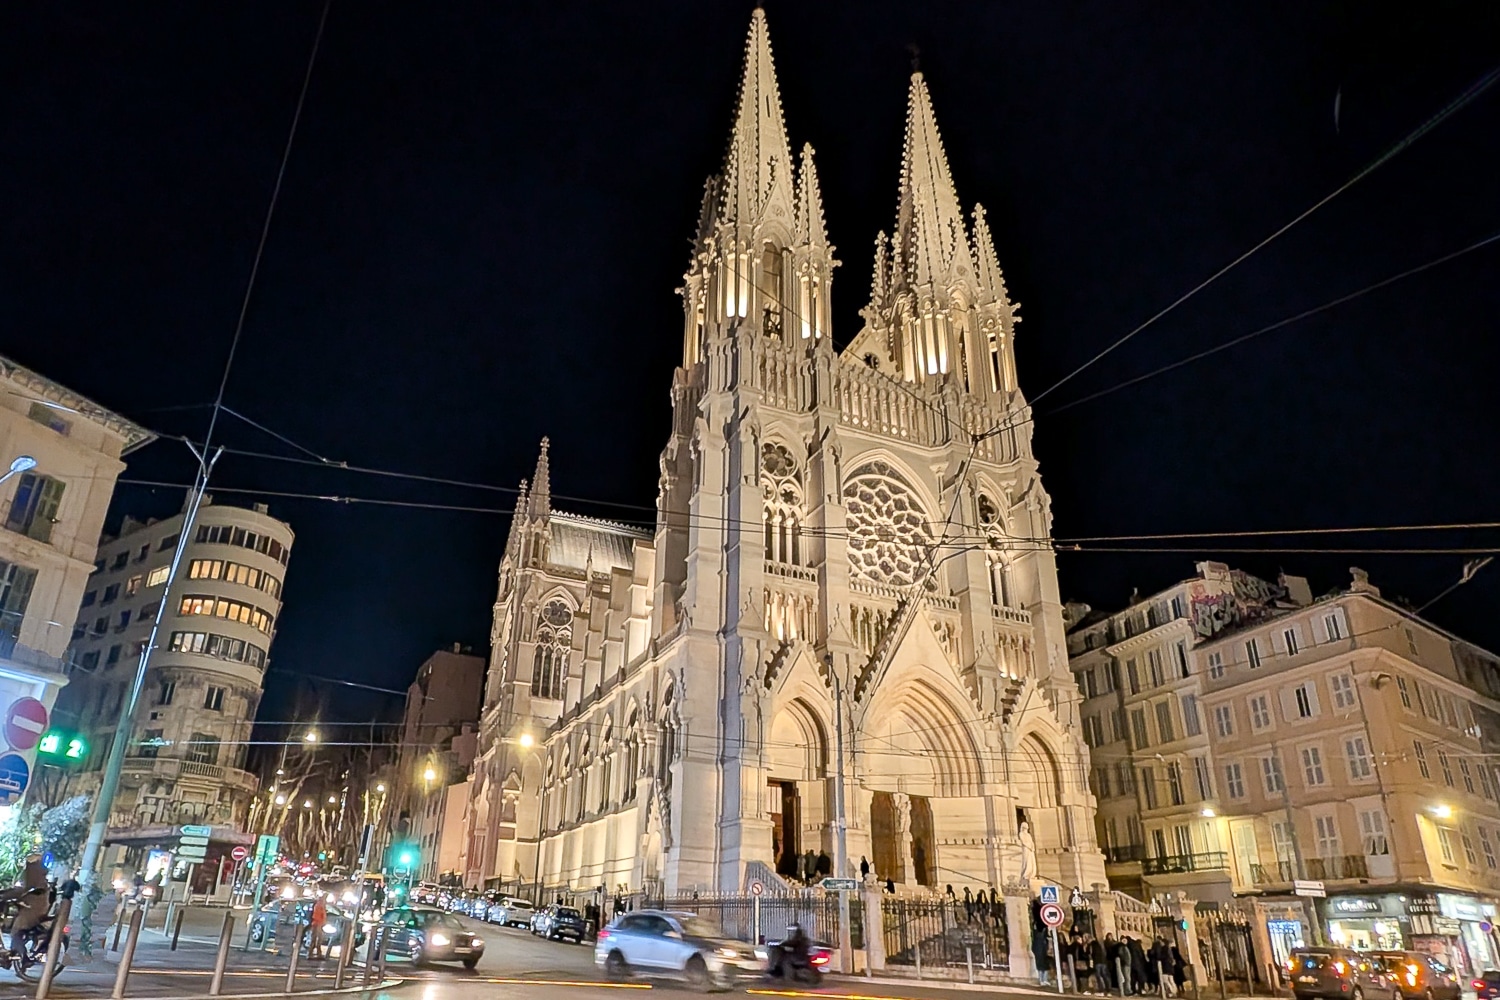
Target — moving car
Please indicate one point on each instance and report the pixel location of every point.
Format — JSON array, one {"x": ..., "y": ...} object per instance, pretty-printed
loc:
[
  {"x": 558, "y": 922},
  {"x": 1487, "y": 986},
  {"x": 1339, "y": 974},
  {"x": 1419, "y": 977},
  {"x": 675, "y": 945},
  {"x": 427, "y": 934},
  {"x": 511, "y": 913}
]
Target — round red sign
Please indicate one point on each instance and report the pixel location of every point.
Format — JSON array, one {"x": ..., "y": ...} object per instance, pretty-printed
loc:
[
  {"x": 240, "y": 853},
  {"x": 1052, "y": 914},
  {"x": 25, "y": 722}
]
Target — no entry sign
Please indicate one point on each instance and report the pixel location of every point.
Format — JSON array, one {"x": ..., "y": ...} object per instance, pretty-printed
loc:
[
  {"x": 240, "y": 853},
  {"x": 25, "y": 722}
]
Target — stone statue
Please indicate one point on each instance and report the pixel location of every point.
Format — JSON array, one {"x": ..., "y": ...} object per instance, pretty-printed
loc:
[
  {"x": 902, "y": 802},
  {"x": 1028, "y": 851}
]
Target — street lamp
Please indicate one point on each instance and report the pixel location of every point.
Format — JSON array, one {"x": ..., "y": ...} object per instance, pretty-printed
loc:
[
  {"x": 380, "y": 788},
  {"x": 311, "y": 737},
  {"x": 332, "y": 799},
  {"x": 281, "y": 800},
  {"x": 429, "y": 774},
  {"x": 21, "y": 463},
  {"x": 307, "y": 804}
]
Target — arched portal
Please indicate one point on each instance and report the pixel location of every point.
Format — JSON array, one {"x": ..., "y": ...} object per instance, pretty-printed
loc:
[
  {"x": 796, "y": 753},
  {"x": 1037, "y": 782}
]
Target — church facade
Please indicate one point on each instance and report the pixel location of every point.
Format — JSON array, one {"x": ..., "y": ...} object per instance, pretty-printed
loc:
[{"x": 848, "y": 597}]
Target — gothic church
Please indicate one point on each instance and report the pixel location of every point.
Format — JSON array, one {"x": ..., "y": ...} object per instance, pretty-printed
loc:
[{"x": 850, "y": 573}]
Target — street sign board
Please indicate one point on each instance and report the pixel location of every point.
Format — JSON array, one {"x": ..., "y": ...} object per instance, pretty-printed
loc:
[
  {"x": 1052, "y": 914},
  {"x": 266, "y": 848},
  {"x": 756, "y": 888},
  {"x": 25, "y": 722},
  {"x": 15, "y": 775},
  {"x": 192, "y": 853},
  {"x": 240, "y": 853},
  {"x": 1049, "y": 893},
  {"x": 192, "y": 841},
  {"x": 196, "y": 831},
  {"x": 831, "y": 884},
  {"x": 1308, "y": 887}
]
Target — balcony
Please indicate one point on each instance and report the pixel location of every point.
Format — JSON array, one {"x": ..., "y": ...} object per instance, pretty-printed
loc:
[
  {"x": 1177, "y": 864},
  {"x": 1348, "y": 866},
  {"x": 1124, "y": 854}
]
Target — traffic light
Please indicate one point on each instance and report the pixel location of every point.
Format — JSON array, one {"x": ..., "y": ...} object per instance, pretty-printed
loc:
[
  {"x": 322, "y": 855},
  {"x": 62, "y": 748},
  {"x": 405, "y": 856}
]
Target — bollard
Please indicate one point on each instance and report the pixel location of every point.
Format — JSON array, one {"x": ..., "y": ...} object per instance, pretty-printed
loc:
[
  {"x": 54, "y": 947},
  {"x": 177, "y": 927},
  {"x": 1073, "y": 973},
  {"x": 166, "y": 924},
  {"x": 222, "y": 958},
  {"x": 291, "y": 969},
  {"x": 123, "y": 974},
  {"x": 969, "y": 958},
  {"x": 919, "y": 959},
  {"x": 346, "y": 948},
  {"x": 119, "y": 926},
  {"x": 376, "y": 933}
]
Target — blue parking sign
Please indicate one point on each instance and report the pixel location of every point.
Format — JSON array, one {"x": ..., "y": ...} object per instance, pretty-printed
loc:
[
  {"x": 1049, "y": 893},
  {"x": 15, "y": 775}
]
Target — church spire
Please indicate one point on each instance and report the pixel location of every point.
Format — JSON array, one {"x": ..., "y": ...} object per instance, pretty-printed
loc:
[
  {"x": 811, "y": 229},
  {"x": 540, "y": 502},
  {"x": 987, "y": 265},
  {"x": 930, "y": 235},
  {"x": 757, "y": 168}
]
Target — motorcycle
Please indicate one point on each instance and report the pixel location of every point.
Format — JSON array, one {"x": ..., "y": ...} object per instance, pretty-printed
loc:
[
  {"x": 782, "y": 963},
  {"x": 27, "y": 956}
]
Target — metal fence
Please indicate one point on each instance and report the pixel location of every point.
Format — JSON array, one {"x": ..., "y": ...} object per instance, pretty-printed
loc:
[
  {"x": 1226, "y": 949},
  {"x": 736, "y": 915},
  {"x": 939, "y": 932}
]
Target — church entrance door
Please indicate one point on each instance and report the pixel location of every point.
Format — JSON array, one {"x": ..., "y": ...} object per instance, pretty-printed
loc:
[
  {"x": 923, "y": 858},
  {"x": 786, "y": 821},
  {"x": 885, "y": 838}
]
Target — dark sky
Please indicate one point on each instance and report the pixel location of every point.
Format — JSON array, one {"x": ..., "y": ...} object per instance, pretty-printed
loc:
[{"x": 488, "y": 208}]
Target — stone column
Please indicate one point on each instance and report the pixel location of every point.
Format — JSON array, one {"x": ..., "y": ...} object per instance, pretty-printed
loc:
[
  {"x": 1018, "y": 928},
  {"x": 874, "y": 924},
  {"x": 1182, "y": 909}
]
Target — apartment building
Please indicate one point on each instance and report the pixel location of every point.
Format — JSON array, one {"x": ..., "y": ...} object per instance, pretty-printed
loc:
[
  {"x": 186, "y": 759},
  {"x": 1342, "y": 741},
  {"x": 59, "y": 457}
]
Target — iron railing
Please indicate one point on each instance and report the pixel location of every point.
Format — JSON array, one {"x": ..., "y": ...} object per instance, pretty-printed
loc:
[{"x": 1172, "y": 864}]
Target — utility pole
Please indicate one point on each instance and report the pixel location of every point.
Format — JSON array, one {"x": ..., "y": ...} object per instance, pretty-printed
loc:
[{"x": 840, "y": 823}]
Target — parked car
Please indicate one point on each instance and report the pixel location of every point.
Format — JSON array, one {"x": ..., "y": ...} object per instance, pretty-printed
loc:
[
  {"x": 511, "y": 913},
  {"x": 282, "y": 913},
  {"x": 675, "y": 945},
  {"x": 1487, "y": 985},
  {"x": 427, "y": 934},
  {"x": 1340, "y": 973},
  {"x": 558, "y": 922},
  {"x": 1419, "y": 977}
]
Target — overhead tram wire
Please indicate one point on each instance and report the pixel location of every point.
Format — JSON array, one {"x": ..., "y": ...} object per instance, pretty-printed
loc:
[
  {"x": 1468, "y": 95},
  {"x": 206, "y": 459}
]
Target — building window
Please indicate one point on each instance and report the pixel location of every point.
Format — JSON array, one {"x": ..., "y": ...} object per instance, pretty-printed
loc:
[
  {"x": 33, "y": 511},
  {"x": 1270, "y": 769},
  {"x": 16, "y": 583},
  {"x": 89, "y": 660},
  {"x": 111, "y": 593},
  {"x": 1174, "y": 782},
  {"x": 121, "y": 559},
  {"x": 1153, "y": 666},
  {"x": 1101, "y": 782},
  {"x": 165, "y": 692},
  {"x": 1204, "y": 778},
  {"x": 1326, "y": 830},
  {"x": 124, "y": 621},
  {"x": 1179, "y": 655},
  {"x": 133, "y": 585},
  {"x": 1133, "y": 673},
  {"x": 1358, "y": 756},
  {"x": 1467, "y": 774},
  {"x": 1216, "y": 665},
  {"x": 148, "y": 611},
  {"x": 1116, "y": 725},
  {"x": 1372, "y": 832},
  {"x": 1260, "y": 712},
  {"x": 1289, "y": 636},
  {"x": 213, "y": 699},
  {"x": 49, "y": 418},
  {"x": 1159, "y": 844},
  {"x": 158, "y": 576},
  {"x": 1405, "y": 692},
  {"x": 1192, "y": 725},
  {"x": 1333, "y": 624},
  {"x": 1307, "y": 701},
  {"x": 1445, "y": 844},
  {"x": 1224, "y": 720},
  {"x": 219, "y": 607},
  {"x": 1138, "y": 728},
  {"x": 1342, "y": 686},
  {"x": 101, "y": 625},
  {"x": 89, "y": 599},
  {"x": 1447, "y": 768},
  {"x": 1469, "y": 855},
  {"x": 142, "y": 552},
  {"x": 1148, "y": 786},
  {"x": 150, "y": 743},
  {"x": 1488, "y": 846},
  {"x": 1234, "y": 781},
  {"x": 1252, "y": 652},
  {"x": 1164, "y": 721},
  {"x": 169, "y": 542},
  {"x": 1312, "y": 766},
  {"x": 1124, "y": 778},
  {"x": 1411, "y": 642},
  {"x": 203, "y": 748},
  {"x": 114, "y": 655},
  {"x": 1421, "y": 758},
  {"x": 554, "y": 637}
]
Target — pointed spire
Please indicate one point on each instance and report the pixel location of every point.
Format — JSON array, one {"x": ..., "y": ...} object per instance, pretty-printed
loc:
[
  {"x": 880, "y": 281},
  {"x": 540, "y": 504},
  {"x": 759, "y": 160},
  {"x": 811, "y": 228},
  {"x": 929, "y": 222},
  {"x": 987, "y": 264}
]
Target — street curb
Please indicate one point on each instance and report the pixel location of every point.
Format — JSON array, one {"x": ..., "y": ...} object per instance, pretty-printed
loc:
[
  {"x": 944, "y": 984},
  {"x": 382, "y": 985}
]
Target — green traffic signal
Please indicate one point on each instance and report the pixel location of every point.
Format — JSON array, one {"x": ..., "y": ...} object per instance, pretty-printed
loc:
[
  {"x": 58, "y": 743},
  {"x": 78, "y": 749},
  {"x": 50, "y": 744}
]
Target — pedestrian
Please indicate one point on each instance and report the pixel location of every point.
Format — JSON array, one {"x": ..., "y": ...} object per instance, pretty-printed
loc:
[
  {"x": 864, "y": 868},
  {"x": 1041, "y": 949},
  {"x": 810, "y": 865},
  {"x": 997, "y": 909},
  {"x": 1179, "y": 967},
  {"x": 890, "y": 886},
  {"x": 315, "y": 930},
  {"x": 1099, "y": 958},
  {"x": 824, "y": 864},
  {"x": 1083, "y": 963},
  {"x": 968, "y": 905},
  {"x": 1117, "y": 975},
  {"x": 1141, "y": 973}
]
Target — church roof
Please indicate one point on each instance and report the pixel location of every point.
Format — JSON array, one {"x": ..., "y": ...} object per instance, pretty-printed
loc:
[{"x": 579, "y": 542}]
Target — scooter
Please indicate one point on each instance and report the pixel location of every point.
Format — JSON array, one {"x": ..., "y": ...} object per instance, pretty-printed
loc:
[
  {"x": 792, "y": 968},
  {"x": 27, "y": 957}
]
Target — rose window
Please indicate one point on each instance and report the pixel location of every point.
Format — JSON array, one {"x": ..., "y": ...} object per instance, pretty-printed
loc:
[{"x": 888, "y": 528}]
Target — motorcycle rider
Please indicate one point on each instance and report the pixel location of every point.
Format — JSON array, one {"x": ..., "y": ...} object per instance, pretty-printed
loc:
[
  {"x": 791, "y": 954},
  {"x": 32, "y": 906}
]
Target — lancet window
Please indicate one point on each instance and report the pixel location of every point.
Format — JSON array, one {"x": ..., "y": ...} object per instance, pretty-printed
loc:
[
  {"x": 997, "y": 558},
  {"x": 554, "y": 638},
  {"x": 781, "y": 487}
]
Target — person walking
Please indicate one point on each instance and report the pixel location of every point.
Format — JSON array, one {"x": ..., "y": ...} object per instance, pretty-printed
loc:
[
  {"x": 864, "y": 868},
  {"x": 315, "y": 928}
]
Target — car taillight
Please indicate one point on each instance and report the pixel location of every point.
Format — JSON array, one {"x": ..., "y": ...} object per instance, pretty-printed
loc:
[
  {"x": 1477, "y": 984},
  {"x": 1339, "y": 968},
  {"x": 821, "y": 958}
]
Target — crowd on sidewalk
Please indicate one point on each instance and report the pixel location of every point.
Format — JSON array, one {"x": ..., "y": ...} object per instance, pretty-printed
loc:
[{"x": 1112, "y": 965}]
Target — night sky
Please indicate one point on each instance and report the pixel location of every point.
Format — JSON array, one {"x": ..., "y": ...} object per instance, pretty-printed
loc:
[{"x": 489, "y": 205}]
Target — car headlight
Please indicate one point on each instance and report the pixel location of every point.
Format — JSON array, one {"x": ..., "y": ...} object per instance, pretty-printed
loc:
[
  {"x": 440, "y": 940},
  {"x": 726, "y": 953},
  {"x": 330, "y": 929},
  {"x": 479, "y": 942}
]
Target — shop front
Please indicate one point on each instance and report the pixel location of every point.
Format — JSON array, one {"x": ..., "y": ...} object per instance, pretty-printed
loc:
[
  {"x": 1368, "y": 923},
  {"x": 1456, "y": 929}
]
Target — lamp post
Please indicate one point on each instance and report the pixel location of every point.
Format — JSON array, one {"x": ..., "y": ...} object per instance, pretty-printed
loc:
[{"x": 22, "y": 463}]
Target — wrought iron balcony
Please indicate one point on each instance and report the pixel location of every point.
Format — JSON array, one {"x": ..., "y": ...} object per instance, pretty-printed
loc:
[
  {"x": 1347, "y": 866},
  {"x": 1172, "y": 864},
  {"x": 1124, "y": 854}
]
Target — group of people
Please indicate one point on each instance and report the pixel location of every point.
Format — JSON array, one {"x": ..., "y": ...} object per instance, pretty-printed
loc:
[
  {"x": 811, "y": 867},
  {"x": 1111, "y": 965}
]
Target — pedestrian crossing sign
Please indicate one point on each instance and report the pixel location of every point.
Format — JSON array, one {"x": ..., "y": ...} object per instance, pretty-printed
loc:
[{"x": 1049, "y": 893}]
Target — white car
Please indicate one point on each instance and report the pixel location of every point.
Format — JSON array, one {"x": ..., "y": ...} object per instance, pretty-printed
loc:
[
  {"x": 675, "y": 945},
  {"x": 510, "y": 913}
]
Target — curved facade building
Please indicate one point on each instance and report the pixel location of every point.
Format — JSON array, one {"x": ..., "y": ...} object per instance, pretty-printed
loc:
[{"x": 185, "y": 763}]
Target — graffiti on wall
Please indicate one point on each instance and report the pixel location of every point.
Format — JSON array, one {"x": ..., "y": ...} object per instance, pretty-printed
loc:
[{"x": 1246, "y": 600}]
